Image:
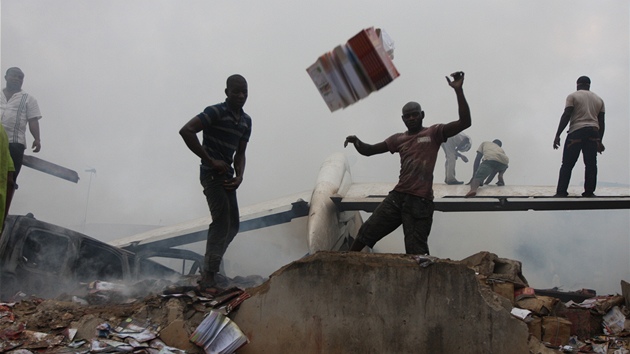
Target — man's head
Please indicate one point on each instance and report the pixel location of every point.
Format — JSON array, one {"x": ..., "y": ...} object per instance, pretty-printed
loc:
[
  {"x": 465, "y": 145},
  {"x": 498, "y": 142},
  {"x": 583, "y": 83},
  {"x": 412, "y": 116},
  {"x": 236, "y": 91},
  {"x": 14, "y": 78}
]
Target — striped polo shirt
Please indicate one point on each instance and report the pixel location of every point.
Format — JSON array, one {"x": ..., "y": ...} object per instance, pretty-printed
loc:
[{"x": 223, "y": 132}]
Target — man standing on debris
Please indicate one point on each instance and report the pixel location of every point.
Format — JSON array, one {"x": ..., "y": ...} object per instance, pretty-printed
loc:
[
  {"x": 453, "y": 147},
  {"x": 226, "y": 131},
  {"x": 19, "y": 108},
  {"x": 494, "y": 161},
  {"x": 584, "y": 112},
  {"x": 411, "y": 201}
]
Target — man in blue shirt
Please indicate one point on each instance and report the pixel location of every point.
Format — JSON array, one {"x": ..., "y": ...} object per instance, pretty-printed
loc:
[{"x": 226, "y": 131}]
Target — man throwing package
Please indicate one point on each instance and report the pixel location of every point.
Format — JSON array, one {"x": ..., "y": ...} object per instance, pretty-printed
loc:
[
  {"x": 226, "y": 131},
  {"x": 411, "y": 201}
]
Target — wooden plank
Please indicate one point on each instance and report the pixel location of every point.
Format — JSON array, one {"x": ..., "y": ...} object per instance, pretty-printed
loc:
[{"x": 50, "y": 168}]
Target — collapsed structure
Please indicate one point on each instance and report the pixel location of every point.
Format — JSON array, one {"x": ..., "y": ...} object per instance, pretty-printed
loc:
[{"x": 329, "y": 302}]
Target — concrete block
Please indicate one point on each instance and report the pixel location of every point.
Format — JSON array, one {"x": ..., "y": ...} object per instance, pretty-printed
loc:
[{"x": 335, "y": 302}]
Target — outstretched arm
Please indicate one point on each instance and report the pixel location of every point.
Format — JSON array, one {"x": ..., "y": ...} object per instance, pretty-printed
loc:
[
  {"x": 365, "y": 149},
  {"x": 564, "y": 120},
  {"x": 453, "y": 128}
]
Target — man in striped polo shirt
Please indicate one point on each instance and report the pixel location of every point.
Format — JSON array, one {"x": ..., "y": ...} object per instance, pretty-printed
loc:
[{"x": 226, "y": 130}]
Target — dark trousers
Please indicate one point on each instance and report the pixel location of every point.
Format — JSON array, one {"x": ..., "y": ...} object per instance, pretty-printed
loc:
[
  {"x": 17, "y": 155},
  {"x": 415, "y": 214},
  {"x": 225, "y": 220},
  {"x": 582, "y": 140}
]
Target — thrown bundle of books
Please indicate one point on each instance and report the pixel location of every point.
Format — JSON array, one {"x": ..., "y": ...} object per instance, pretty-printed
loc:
[
  {"x": 218, "y": 334},
  {"x": 351, "y": 71}
]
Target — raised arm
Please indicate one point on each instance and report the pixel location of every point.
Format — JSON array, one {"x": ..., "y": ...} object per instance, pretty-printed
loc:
[
  {"x": 365, "y": 149},
  {"x": 464, "y": 121}
]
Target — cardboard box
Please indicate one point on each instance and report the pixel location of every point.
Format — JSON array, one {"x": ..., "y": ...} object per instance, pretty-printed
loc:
[
  {"x": 584, "y": 323},
  {"x": 505, "y": 289},
  {"x": 368, "y": 48},
  {"x": 352, "y": 71},
  {"x": 539, "y": 305},
  {"x": 326, "y": 86},
  {"x": 524, "y": 291},
  {"x": 534, "y": 325},
  {"x": 556, "y": 330}
]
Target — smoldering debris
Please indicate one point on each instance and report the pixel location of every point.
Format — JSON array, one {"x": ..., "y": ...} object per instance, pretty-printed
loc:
[
  {"x": 113, "y": 317},
  {"x": 165, "y": 316}
]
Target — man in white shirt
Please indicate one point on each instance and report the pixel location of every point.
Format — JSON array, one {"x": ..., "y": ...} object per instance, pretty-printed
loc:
[
  {"x": 453, "y": 147},
  {"x": 19, "y": 109},
  {"x": 584, "y": 113},
  {"x": 494, "y": 161}
]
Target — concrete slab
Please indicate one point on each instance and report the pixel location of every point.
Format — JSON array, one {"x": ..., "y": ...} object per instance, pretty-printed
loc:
[{"x": 337, "y": 302}]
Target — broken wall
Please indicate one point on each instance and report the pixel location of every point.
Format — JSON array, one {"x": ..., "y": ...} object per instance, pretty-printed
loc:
[{"x": 336, "y": 302}]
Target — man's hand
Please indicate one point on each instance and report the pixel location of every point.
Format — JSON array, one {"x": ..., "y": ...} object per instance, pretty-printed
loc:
[
  {"x": 352, "y": 139},
  {"x": 36, "y": 146},
  {"x": 233, "y": 183},
  {"x": 556, "y": 143},
  {"x": 600, "y": 147},
  {"x": 219, "y": 166},
  {"x": 458, "y": 80}
]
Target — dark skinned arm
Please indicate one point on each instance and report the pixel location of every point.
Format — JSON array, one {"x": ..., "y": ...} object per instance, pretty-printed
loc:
[
  {"x": 477, "y": 162},
  {"x": 189, "y": 134},
  {"x": 365, "y": 149},
  {"x": 564, "y": 120},
  {"x": 602, "y": 127},
  {"x": 239, "y": 167},
  {"x": 453, "y": 128},
  {"x": 33, "y": 126}
]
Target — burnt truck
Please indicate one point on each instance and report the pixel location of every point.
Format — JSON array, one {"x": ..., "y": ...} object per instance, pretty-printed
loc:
[{"x": 42, "y": 259}]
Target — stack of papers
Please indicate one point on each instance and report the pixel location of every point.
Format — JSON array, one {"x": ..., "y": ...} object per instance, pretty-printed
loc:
[
  {"x": 217, "y": 334},
  {"x": 351, "y": 71}
]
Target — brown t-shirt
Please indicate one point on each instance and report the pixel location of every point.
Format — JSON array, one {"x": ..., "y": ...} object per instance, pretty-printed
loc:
[{"x": 418, "y": 153}]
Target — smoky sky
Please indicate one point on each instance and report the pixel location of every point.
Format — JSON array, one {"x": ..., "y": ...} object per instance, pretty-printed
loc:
[{"x": 116, "y": 80}]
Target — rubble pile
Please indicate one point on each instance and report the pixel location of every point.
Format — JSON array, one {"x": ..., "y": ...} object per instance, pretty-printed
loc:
[
  {"x": 152, "y": 316},
  {"x": 570, "y": 322},
  {"x": 159, "y": 316}
]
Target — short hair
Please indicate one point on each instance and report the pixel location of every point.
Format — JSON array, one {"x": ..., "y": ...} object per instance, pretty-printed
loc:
[
  {"x": 232, "y": 79},
  {"x": 14, "y": 68},
  {"x": 583, "y": 80},
  {"x": 412, "y": 106},
  {"x": 498, "y": 142}
]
